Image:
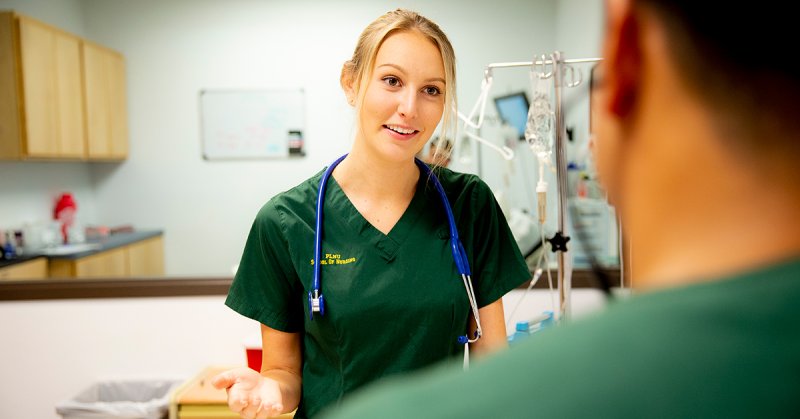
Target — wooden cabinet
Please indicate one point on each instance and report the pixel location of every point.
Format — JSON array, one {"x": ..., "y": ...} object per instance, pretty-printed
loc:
[
  {"x": 146, "y": 258},
  {"x": 140, "y": 259},
  {"x": 106, "y": 108},
  {"x": 109, "y": 264},
  {"x": 32, "y": 269},
  {"x": 61, "y": 97},
  {"x": 41, "y": 76}
]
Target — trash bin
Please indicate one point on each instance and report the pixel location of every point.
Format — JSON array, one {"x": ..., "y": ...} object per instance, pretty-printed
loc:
[{"x": 120, "y": 399}]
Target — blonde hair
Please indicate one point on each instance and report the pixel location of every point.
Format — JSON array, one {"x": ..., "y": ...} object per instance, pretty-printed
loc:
[{"x": 358, "y": 69}]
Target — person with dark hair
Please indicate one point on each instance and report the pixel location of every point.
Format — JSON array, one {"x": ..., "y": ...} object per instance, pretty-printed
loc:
[
  {"x": 439, "y": 151},
  {"x": 697, "y": 144}
]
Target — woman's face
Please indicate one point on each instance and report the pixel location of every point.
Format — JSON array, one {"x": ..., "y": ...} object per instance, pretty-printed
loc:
[{"x": 404, "y": 97}]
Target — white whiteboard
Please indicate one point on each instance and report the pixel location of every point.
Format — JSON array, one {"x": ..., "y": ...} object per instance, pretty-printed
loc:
[{"x": 251, "y": 123}]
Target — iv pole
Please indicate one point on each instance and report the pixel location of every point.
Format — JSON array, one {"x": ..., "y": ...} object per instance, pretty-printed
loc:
[
  {"x": 564, "y": 280},
  {"x": 558, "y": 66}
]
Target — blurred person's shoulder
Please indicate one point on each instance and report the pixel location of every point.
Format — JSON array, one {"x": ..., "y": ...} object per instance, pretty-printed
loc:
[{"x": 692, "y": 351}]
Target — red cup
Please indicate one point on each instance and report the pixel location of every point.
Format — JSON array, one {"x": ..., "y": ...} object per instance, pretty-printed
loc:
[
  {"x": 254, "y": 358},
  {"x": 252, "y": 347}
]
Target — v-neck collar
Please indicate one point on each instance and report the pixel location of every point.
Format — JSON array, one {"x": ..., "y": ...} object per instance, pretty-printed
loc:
[{"x": 387, "y": 244}]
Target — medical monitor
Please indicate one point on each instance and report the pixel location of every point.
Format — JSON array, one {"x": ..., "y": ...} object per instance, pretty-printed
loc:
[{"x": 513, "y": 110}]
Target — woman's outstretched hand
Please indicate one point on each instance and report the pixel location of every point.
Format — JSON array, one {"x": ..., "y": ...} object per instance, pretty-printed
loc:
[{"x": 250, "y": 394}]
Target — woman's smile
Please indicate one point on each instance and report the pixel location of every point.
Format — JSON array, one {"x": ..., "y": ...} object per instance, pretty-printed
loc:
[{"x": 400, "y": 132}]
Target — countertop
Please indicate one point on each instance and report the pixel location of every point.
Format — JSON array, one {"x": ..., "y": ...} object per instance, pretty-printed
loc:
[
  {"x": 20, "y": 259},
  {"x": 107, "y": 243}
]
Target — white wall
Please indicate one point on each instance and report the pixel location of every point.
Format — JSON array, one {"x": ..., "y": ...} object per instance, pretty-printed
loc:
[
  {"x": 65, "y": 14},
  {"x": 28, "y": 191},
  {"x": 579, "y": 32},
  {"x": 176, "y": 48},
  {"x": 579, "y": 27},
  {"x": 51, "y": 350}
]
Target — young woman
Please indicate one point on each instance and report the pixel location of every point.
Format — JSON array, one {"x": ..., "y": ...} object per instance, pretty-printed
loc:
[{"x": 393, "y": 298}]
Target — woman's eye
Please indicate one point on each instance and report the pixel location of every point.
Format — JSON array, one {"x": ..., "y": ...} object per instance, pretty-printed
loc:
[
  {"x": 433, "y": 91},
  {"x": 391, "y": 81}
]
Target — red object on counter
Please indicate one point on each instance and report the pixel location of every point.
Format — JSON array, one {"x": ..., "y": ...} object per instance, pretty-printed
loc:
[
  {"x": 254, "y": 358},
  {"x": 64, "y": 212},
  {"x": 253, "y": 349}
]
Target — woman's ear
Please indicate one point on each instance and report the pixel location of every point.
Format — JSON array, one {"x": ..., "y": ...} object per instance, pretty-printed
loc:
[{"x": 346, "y": 80}]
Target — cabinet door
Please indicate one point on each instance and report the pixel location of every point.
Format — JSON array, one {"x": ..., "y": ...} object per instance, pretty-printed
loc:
[
  {"x": 106, "y": 111},
  {"x": 72, "y": 141},
  {"x": 34, "y": 269},
  {"x": 37, "y": 46},
  {"x": 108, "y": 264},
  {"x": 10, "y": 102},
  {"x": 119, "y": 106},
  {"x": 146, "y": 258},
  {"x": 52, "y": 97}
]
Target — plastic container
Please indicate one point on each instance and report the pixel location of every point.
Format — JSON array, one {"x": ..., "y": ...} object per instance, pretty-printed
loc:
[
  {"x": 64, "y": 212},
  {"x": 121, "y": 399},
  {"x": 527, "y": 328},
  {"x": 9, "y": 250}
]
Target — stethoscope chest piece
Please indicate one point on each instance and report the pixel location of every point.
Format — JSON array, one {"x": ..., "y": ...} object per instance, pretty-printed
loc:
[{"x": 316, "y": 304}]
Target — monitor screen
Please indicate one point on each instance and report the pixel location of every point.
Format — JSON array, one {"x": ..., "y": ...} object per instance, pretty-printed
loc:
[{"x": 513, "y": 110}]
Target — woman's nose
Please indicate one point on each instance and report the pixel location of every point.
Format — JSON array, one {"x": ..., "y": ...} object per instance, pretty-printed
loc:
[{"x": 407, "y": 105}]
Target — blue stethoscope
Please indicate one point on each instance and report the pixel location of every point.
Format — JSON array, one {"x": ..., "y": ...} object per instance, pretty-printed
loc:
[{"x": 316, "y": 301}]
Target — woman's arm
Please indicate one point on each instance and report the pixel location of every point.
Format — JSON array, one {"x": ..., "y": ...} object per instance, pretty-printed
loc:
[
  {"x": 277, "y": 389},
  {"x": 282, "y": 361},
  {"x": 493, "y": 326}
]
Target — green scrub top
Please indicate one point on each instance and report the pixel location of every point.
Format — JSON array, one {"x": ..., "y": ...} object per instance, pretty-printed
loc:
[
  {"x": 393, "y": 303},
  {"x": 728, "y": 348}
]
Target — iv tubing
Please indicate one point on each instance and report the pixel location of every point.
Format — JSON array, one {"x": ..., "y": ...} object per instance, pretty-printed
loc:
[
  {"x": 506, "y": 152},
  {"x": 486, "y": 86},
  {"x": 541, "y": 193},
  {"x": 536, "y": 276},
  {"x": 538, "y": 270}
]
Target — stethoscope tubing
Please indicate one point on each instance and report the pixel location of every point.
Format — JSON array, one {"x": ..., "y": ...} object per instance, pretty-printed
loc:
[
  {"x": 459, "y": 254},
  {"x": 318, "y": 232},
  {"x": 316, "y": 300}
]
